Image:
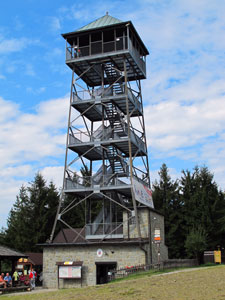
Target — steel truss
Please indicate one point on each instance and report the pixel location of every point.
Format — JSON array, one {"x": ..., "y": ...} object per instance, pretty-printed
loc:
[{"x": 106, "y": 136}]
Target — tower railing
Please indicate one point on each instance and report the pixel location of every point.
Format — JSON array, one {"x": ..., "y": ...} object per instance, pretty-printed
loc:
[
  {"x": 114, "y": 229},
  {"x": 86, "y": 95},
  {"x": 105, "y": 180},
  {"x": 98, "y": 47},
  {"x": 109, "y": 180},
  {"x": 106, "y": 135},
  {"x": 136, "y": 55}
]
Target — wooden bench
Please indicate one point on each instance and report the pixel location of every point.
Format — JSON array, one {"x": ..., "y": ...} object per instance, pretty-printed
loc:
[{"x": 15, "y": 289}]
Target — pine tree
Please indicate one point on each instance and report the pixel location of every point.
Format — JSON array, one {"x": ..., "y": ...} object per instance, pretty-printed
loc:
[
  {"x": 167, "y": 200},
  {"x": 18, "y": 232},
  {"x": 31, "y": 217},
  {"x": 204, "y": 205}
]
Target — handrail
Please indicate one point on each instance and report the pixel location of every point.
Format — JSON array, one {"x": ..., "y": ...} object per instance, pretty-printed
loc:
[
  {"x": 103, "y": 228},
  {"x": 83, "y": 137},
  {"x": 86, "y": 95},
  {"x": 105, "y": 180},
  {"x": 77, "y": 52},
  {"x": 137, "y": 57}
]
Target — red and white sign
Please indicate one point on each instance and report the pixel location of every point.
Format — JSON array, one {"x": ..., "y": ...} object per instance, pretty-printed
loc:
[
  {"x": 157, "y": 237},
  {"x": 142, "y": 193},
  {"x": 99, "y": 252}
]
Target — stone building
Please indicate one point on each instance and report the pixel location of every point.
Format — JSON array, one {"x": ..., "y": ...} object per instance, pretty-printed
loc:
[{"x": 116, "y": 254}]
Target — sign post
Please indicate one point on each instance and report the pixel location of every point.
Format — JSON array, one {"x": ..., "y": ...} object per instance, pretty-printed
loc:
[
  {"x": 157, "y": 240},
  {"x": 217, "y": 257}
]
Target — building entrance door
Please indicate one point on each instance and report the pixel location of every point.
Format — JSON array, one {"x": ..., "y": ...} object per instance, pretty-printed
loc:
[{"x": 103, "y": 271}]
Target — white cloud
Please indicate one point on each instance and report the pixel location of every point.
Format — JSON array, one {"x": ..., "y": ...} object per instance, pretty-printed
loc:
[
  {"x": 54, "y": 174},
  {"x": 154, "y": 175},
  {"x": 26, "y": 142},
  {"x": 9, "y": 188},
  {"x": 29, "y": 69},
  {"x": 30, "y": 137},
  {"x": 13, "y": 45},
  {"x": 54, "y": 24},
  {"x": 171, "y": 125},
  {"x": 37, "y": 91},
  {"x": 16, "y": 171},
  {"x": 8, "y": 110}
]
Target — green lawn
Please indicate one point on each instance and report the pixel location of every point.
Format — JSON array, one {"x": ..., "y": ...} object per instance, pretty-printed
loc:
[{"x": 195, "y": 284}]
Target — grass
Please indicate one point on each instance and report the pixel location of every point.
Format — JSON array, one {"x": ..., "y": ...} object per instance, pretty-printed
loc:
[
  {"x": 145, "y": 273},
  {"x": 158, "y": 272},
  {"x": 191, "y": 284}
]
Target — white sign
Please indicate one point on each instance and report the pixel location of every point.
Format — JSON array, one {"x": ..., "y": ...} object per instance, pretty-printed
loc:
[
  {"x": 19, "y": 266},
  {"x": 99, "y": 252},
  {"x": 70, "y": 272},
  {"x": 142, "y": 193}
]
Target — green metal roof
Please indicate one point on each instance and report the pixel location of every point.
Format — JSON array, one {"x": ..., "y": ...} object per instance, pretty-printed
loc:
[{"x": 101, "y": 22}]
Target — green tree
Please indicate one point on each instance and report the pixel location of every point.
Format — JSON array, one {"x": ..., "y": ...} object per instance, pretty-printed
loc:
[
  {"x": 196, "y": 243},
  {"x": 31, "y": 218},
  {"x": 168, "y": 201},
  {"x": 204, "y": 205}
]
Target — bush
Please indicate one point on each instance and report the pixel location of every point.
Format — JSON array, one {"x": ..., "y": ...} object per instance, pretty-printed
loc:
[{"x": 196, "y": 243}]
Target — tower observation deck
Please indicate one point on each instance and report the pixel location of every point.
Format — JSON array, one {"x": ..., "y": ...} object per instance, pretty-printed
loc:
[{"x": 106, "y": 131}]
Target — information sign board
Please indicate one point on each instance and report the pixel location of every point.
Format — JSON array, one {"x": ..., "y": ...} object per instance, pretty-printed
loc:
[
  {"x": 69, "y": 271},
  {"x": 142, "y": 193}
]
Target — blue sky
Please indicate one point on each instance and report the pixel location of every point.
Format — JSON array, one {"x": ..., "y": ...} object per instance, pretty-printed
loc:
[{"x": 184, "y": 94}]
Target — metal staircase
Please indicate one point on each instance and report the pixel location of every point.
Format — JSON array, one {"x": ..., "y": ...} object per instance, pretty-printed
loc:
[
  {"x": 115, "y": 118},
  {"x": 118, "y": 88},
  {"x": 117, "y": 164},
  {"x": 111, "y": 73}
]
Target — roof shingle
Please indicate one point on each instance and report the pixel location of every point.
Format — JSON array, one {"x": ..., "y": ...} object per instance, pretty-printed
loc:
[
  {"x": 101, "y": 22},
  {"x": 7, "y": 252}
]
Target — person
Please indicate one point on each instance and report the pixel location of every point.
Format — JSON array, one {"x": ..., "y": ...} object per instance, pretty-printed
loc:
[
  {"x": 8, "y": 279},
  {"x": 32, "y": 277},
  {"x": 15, "y": 277},
  {"x": 24, "y": 279},
  {"x": 2, "y": 281}
]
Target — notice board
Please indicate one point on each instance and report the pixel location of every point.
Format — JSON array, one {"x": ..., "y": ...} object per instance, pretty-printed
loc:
[{"x": 69, "y": 271}]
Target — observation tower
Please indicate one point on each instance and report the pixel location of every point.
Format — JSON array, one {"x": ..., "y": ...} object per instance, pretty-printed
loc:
[{"x": 106, "y": 138}]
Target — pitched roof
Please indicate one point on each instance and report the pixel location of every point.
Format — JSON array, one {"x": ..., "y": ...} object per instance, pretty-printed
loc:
[
  {"x": 7, "y": 252},
  {"x": 101, "y": 22},
  {"x": 67, "y": 235},
  {"x": 35, "y": 258}
]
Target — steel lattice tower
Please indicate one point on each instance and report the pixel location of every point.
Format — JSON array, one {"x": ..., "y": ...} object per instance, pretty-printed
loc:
[{"x": 106, "y": 129}]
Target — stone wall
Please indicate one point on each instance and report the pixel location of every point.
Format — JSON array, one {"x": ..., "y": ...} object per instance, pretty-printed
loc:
[
  {"x": 157, "y": 222},
  {"x": 149, "y": 221},
  {"x": 124, "y": 255},
  {"x": 177, "y": 263},
  {"x": 131, "y": 230}
]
